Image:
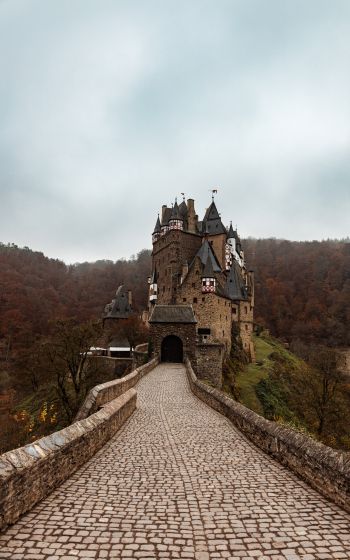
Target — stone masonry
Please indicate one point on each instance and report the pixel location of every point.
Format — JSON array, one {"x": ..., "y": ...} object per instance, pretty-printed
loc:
[{"x": 179, "y": 481}]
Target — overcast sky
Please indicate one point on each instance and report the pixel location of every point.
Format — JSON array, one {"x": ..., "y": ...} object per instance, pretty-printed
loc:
[{"x": 109, "y": 109}]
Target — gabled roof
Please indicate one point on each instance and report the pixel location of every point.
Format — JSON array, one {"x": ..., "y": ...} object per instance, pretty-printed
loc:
[
  {"x": 120, "y": 307},
  {"x": 235, "y": 286},
  {"x": 206, "y": 252},
  {"x": 157, "y": 226},
  {"x": 172, "y": 314}
]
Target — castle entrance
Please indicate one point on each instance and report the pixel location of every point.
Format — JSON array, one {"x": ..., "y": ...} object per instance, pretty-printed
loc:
[{"x": 172, "y": 349}]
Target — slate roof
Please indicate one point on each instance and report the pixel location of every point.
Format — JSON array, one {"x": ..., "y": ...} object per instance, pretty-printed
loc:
[
  {"x": 172, "y": 314},
  {"x": 183, "y": 209},
  {"x": 235, "y": 286},
  {"x": 120, "y": 307},
  {"x": 166, "y": 216},
  {"x": 175, "y": 214},
  {"x": 212, "y": 223},
  {"x": 208, "y": 271},
  {"x": 157, "y": 226},
  {"x": 231, "y": 233},
  {"x": 206, "y": 252}
]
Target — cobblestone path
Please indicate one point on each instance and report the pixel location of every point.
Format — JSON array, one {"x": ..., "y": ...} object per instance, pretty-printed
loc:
[{"x": 178, "y": 481}]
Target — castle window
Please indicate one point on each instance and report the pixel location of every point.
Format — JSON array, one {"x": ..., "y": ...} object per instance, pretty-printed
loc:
[
  {"x": 234, "y": 310},
  {"x": 193, "y": 285},
  {"x": 246, "y": 327},
  {"x": 204, "y": 330},
  {"x": 246, "y": 309},
  {"x": 194, "y": 300},
  {"x": 203, "y": 298},
  {"x": 184, "y": 299}
]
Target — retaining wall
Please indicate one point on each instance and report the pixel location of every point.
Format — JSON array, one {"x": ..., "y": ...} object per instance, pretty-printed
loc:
[
  {"x": 101, "y": 394},
  {"x": 326, "y": 470},
  {"x": 30, "y": 473}
]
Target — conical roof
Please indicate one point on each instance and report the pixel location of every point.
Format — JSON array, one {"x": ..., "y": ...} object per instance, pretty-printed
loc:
[
  {"x": 175, "y": 215},
  {"x": 212, "y": 213},
  {"x": 212, "y": 223},
  {"x": 157, "y": 226},
  {"x": 208, "y": 271},
  {"x": 231, "y": 233},
  {"x": 183, "y": 209}
]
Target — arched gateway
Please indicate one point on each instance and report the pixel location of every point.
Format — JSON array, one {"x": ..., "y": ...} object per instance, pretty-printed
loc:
[{"x": 172, "y": 349}]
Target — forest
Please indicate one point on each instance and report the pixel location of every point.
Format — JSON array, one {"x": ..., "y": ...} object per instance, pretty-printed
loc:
[{"x": 302, "y": 293}]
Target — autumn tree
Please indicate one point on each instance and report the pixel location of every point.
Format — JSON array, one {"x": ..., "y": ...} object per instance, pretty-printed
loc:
[{"x": 68, "y": 359}]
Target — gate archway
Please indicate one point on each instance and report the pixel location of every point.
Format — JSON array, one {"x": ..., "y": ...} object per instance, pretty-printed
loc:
[{"x": 172, "y": 349}]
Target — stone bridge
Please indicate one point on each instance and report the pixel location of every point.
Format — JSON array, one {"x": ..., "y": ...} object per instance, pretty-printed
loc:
[{"x": 179, "y": 480}]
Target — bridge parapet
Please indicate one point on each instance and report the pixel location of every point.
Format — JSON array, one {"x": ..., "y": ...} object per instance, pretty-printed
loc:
[
  {"x": 28, "y": 474},
  {"x": 106, "y": 392},
  {"x": 325, "y": 469}
]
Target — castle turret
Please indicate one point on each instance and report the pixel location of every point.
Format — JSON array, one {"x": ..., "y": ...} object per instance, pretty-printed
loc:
[
  {"x": 157, "y": 230},
  {"x": 176, "y": 220},
  {"x": 208, "y": 277},
  {"x": 153, "y": 287}
]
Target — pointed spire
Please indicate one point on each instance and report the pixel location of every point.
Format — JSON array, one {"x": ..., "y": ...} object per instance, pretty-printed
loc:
[
  {"x": 175, "y": 215},
  {"x": 231, "y": 233},
  {"x": 208, "y": 271},
  {"x": 157, "y": 226}
]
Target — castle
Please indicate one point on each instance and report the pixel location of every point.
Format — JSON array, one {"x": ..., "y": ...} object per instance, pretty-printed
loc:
[{"x": 199, "y": 289}]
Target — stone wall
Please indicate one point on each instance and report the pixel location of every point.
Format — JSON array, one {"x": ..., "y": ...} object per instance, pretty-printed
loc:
[
  {"x": 326, "y": 470},
  {"x": 186, "y": 332},
  {"x": 30, "y": 473},
  {"x": 106, "y": 392},
  {"x": 211, "y": 311},
  {"x": 208, "y": 365}
]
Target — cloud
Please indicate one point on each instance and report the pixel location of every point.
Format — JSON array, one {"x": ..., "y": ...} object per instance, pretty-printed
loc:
[{"x": 110, "y": 109}]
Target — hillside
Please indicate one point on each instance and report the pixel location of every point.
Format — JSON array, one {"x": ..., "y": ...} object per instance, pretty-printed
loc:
[{"x": 284, "y": 388}]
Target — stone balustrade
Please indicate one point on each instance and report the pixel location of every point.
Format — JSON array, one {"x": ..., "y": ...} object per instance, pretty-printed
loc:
[{"x": 325, "y": 469}]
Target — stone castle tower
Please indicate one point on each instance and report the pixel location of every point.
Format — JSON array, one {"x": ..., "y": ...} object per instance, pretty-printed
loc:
[{"x": 198, "y": 289}]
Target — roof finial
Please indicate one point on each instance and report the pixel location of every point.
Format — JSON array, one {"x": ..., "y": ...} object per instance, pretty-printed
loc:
[{"x": 213, "y": 191}]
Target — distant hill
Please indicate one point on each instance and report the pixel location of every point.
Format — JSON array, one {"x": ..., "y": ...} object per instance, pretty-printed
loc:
[{"x": 302, "y": 289}]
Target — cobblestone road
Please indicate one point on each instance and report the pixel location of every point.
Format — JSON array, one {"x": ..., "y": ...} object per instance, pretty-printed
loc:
[{"x": 178, "y": 481}]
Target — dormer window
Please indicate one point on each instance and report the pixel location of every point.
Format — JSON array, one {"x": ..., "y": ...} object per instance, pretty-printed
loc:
[{"x": 155, "y": 237}]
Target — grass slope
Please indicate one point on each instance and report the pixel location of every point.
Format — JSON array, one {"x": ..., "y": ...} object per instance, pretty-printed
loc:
[{"x": 252, "y": 374}]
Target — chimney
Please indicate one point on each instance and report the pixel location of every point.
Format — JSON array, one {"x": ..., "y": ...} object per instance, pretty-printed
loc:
[
  {"x": 192, "y": 218},
  {"x": 164, "y": 207},
  {"x": 130, "y": 297}
]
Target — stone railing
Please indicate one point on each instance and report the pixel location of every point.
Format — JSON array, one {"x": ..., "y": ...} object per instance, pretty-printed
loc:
[
  {"x": 30, "y": 473},
  {"x": 326, "y": 470},
  {"x": 106, "y": 392}
]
